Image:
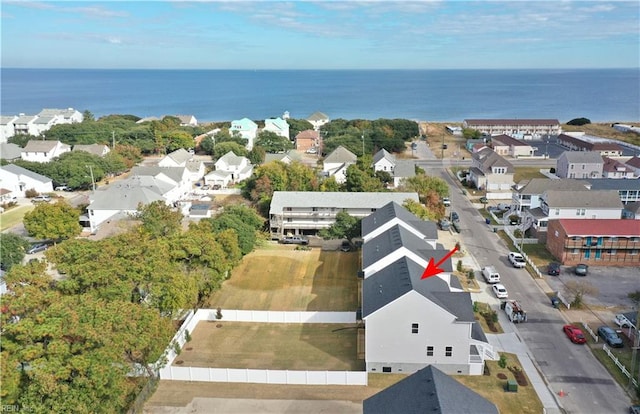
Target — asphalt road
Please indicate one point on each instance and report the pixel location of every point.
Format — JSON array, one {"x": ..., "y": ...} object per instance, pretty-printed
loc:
[{"x": 565, "y": 366}]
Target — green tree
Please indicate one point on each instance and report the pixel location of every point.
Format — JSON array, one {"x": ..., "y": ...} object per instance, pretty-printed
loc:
[
  {"x": 159, "y": 219},
  {"x": 272, "y": 142},
  {"x": 469, "y": 133},
  {"x": 12, "y": 249},
  {"x": 362, "y": 179},
  {"x": 345, "y": 226},
  {"x": 256, "y": 155},
  {"x": 21, "y": 139},
  {"x": 579, "y": 121},
  {"x": 87, "y": 116},
  {"x": 224, "y": 147},
  {"x": 53, "y": 221},
  {"x": 177, "y": 139},
  {"x": 430, "y": 191},
  {"x": 298, "y": 125}
]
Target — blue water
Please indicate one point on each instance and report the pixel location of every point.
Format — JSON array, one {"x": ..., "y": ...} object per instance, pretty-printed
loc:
[{"x": 602, "y": 95}]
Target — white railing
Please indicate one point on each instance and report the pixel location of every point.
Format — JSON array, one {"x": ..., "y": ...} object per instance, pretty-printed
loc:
[
  {"x": 624, "y": 370},
  {"x": 264, "y": 376},
  {"x": 595, "y": 337}
]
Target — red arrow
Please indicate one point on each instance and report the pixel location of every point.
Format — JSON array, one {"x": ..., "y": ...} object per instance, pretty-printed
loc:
[{"x": 433, "y": 269}]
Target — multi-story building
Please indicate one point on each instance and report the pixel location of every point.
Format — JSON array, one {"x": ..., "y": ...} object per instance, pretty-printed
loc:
[
  {"x": 579, "y": 164},
  {"x": 526, "y": 194},
  {"x": 628, "y": 190},
  {"x": 505, "y": 145},
  {"x": 492, "y": 173},
  {"x": 306, "y": 212},
  {"x": 520, "y": 128},
  {"x": 600, "y": 242},
  {"x": 579, "y": 141},
  {"x": 278, "y": 126},
  {"x": 615, "y": 169}
]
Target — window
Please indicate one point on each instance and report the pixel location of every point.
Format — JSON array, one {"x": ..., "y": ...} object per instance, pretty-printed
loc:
[
  {"x": 635, "y": 239},
  {"x": 613, "y": 239},
  {"x": 386, "y": 369},
  {"x": 613, "y": 251},
  {"x": 557, "y": 211},
  {"x": 575, "y": 251},
  {"x": 414, "y": 328},
  {"x": 572, "y": 166},
  {"x": 448, "y": 351},
  {"x": 429, "y": 351},
  {"x": 633, "y": 251}
]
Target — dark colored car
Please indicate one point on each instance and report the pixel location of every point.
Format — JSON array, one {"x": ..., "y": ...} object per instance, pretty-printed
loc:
[
  {"x": 484, "y": 200},
  {"x": 610, "y": 336},
  {"x": 581, "y": 269},
  {"x": 574, "y": 334},
  {"x": 455, "y": 217},
  {"x": 553, "y": 269}
]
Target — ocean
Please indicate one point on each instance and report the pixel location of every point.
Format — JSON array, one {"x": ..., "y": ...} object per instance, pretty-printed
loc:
[{"x": 602, "y": 95}]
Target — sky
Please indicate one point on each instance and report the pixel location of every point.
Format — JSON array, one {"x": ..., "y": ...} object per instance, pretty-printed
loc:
[{"x": 320, "y": 34}]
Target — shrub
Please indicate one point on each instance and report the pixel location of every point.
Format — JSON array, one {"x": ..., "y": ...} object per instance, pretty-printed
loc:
[
  {"x": 30, "y": 193},
  {"x": 552, "y": 170},
  {"x": 579, "y": 121},
  {"x": 475, "y": 306},
  {"x": 459, "y": 266},
  {"x": 471, "y": 274},
  {"x": 187, "y": 335},
  {"x": 502, "y": 363}
]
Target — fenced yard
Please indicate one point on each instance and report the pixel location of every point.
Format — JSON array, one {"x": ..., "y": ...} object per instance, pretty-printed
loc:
[{"x": 283, "y": 278}]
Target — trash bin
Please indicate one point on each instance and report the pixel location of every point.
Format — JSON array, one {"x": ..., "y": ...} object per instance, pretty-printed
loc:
[
  {"x": 495, "y": 229},
  {"x": 512, "y": 386},
  {"x": 487, "y": 220},
  {"x": 555, "y": 302}
]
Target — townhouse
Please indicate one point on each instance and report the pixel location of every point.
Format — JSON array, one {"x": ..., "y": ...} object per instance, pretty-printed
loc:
[
  {"x": 504, "y": 145},
  {"x": 579, "y": 164},
  {"x": 492, "y": 173},
  {"x": 579, "y": 141},
  {"x": 527, "y": 193},
  {"x": 519, "y": 128},
  {"x": 43, "y": 151}
]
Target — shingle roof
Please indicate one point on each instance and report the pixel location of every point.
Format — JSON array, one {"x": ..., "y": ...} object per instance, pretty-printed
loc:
[
  {"x": 66, "y": 113},
  {"x": 634, "y": 162},
  {"x": 341, "y": 155},
  {"x": 24, "y": 119},
  {"x": 230, "y": 158},
  {"x": 308, "y": 134},
  {"x": 9, "y": 151},
  {"x": 317, "y": 116},
  {"x": 404, "y": 169},
  {"x": 540, "y": 185},
  {"x": 39, "y": 146},
  {"x": 583, "y": 199},
  {"x": 523, "y": 122},
  {"x": 589, "y": 145},
  {"x": 96, "y": 149},
  {"x": 383, "y": 154},
  {"x": 488, "y": 158},
  {"x": 601, "y": 227},
  {"x": 128, "y": 194},
  {"x": 428, "y": 390},
  {"x": 17, "y": 170},
  {"x": 174, "y": 173},
  {"x": 338, "y": 200},
  {"x": 611, "y": 165},
  {"x": 180, "y": 155},
  {"x": 7, "y": 119},
  {"x": 43, "y": 120},
  {"x": 393, "y": 210},
  {"x": 507, "y": 140},
  {"x": 586, "y": 157}
]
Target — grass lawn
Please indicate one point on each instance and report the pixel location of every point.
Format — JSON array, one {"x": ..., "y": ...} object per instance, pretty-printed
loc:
[
  {"x": 527, "y": 173},
  {"x": 285, "y": 279},
  {"x": 314, "y": 346},
  {"x": 14, "y": 216},
  {"x": 492, "y": 388}
]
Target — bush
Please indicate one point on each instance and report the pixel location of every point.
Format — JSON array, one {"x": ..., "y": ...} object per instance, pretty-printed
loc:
[
  {"x": 30, "y": 193},
  {"x": 502, "y": 363},
  {"x": 471, "y": 274},
  {"x": 579, "y": 121},
  {"x": 459, "y": 266}
]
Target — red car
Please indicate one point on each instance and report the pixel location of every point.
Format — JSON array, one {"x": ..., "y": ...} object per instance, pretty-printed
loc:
[{"x": 575, "y": 334}]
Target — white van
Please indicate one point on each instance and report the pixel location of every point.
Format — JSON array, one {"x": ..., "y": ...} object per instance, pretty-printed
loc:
[{"x": 490, "y": 274}]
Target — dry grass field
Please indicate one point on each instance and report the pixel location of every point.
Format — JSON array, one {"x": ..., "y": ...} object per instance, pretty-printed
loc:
[
  {"x": 605, "y": 131},
  {"x": 284, "y": 279},
  {"x": 315, "y": 347}
]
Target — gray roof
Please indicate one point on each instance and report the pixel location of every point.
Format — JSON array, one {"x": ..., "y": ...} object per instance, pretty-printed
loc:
[
  {"x": 230, "y": 158},
  {"x": 318, "y": 116},
  {"x": 403, "y": 276},
  {"x": 24, "y": 119},
  {"x": 180, "y": 155},
  {"x": 17, "y": 170},
  {"x": 404, "y": 169},
  {"x": 174, "y": 173},
  {"x": 39, "y": 145},
  {"x": 383, "y": 154},
  {"x": 488, "y": 158},
  {"x": 193, "y": 165},
  {"x": 321, "y": 199},
  {"x": 540, "y": 185},
  {"x": 582, "y": 157},
  {"x": 613, "y": 184},
  {"x": 67, "y": 113},
  {"x": 583, "y": 199},
  {"x": 341, "y": 155},
  {"x": 128, "y": 194},
  {"x": 392, "y": 210},
  {"x": 95, "y": 149},
  {"x": 44, "y": 120},
  {"x": 428, "y": 390},
  {"x": 508, "y": 140},
  {"x": 9, "y": 151},
  {"x": 397, "y": 237},
  {"x": 7, "y": 119},
  {"x": 477, "y": 333}
]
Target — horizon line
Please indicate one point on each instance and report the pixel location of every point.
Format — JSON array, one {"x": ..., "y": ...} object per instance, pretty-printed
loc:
[{"x": 321, "y": 69}]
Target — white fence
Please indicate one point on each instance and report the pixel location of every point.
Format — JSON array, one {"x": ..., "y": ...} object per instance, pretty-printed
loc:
[
  {"x": 168, "y": 372},
  {"x": 619, "y": 365},
  {"x": 595, "y": 337}
]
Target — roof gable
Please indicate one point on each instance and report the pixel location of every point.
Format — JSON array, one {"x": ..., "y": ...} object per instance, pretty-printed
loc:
[
  {"x": 608, "y": 199},
  {"x": 17, "y": 170},
  {"x": 383, "y": 154},
  {"x": 318, "y": 116},
  {"x": 393, "y": 210},
  {"x": 586, "y": 157},
  {"x": 341, "y": 155}
]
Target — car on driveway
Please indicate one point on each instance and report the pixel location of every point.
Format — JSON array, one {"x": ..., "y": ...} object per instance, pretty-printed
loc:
[
  {"x": 623, "y": 321},
  {"x": 38, "y": 247},
  {"x": 42, "y": 198},
  {"x": 574, "y": 334},
  {"x": 446, "y": 202},
  {"x": 553, "y": 269},
  {"x": 444, "y": 224},
  {"x": 500, "y": 291},
  {"x": 516, "y": 259},
  {"x": 295, "y": 240},
  {"x": 581, "y": 269},
  {"x": 610, "y": 336}
]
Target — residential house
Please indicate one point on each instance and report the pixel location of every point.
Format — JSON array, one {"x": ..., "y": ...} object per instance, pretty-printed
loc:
[
  {"x": 307, "y": 139},
  {"x": 218, "y": 179},
  {"x": 411, "y": 322},
  {"x": 404, "y": 169},
  {"x": 10, "y": 152},
  {"x": 615, "y": 169},
  {"x": 187, "y": 120},
  {"x": 475, "y": 144},
  {"x": 177, "y": 158},
  {"x": 285, "y": 157},
  {"x": 519, "y": 128},
  {"x": 527, "y": 193},
  {"x": 634, "y": 163},
  {"x": 239, "y": 168},
  {"x": 504, "y": 145},
  {"x": 336, "y": 163},
  {"x": 43, "y": 151},
  {"x": 7, "y": 127},
  {"x": 96, "y": 149},
  {"x": 18, "y": 180},
  {"x": 24, "y": 125},
  {"x": 123, "y": 199},
  {"x": 598, "y": 242},
  {"x": 399, "y": 170},
  {"x": 307, "y": 212},
  {"x": 196, "y": 170},
  {"x": 579, "y": 141},
  {"x": 384, "y": 161},
  {"x": 492, "y": 173},
  {"x": 559, "y": 204},
  {"x": 579, "y": 164},
  {"x": 63, "y": 116},
  {"x": 278, "y": 126},
  {"x": 247, "y": 130},
  {"x": 177, "y": 180},
  {"x": 428, "y": 390},
  {"x": 628, "y": 190},
  {"x": 317, "y": 119}
]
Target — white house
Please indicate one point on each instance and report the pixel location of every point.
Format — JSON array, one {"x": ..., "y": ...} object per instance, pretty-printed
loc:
[
  {"x": 317, "y": 119},
  {"x": 336, "y": 163},
  {"x": 221, "y": 179},
  {"x": 491, "y": 172},
  {"x": 579, "y": 164},
  {"x": 615, "y": 169},
  {"x": 43, "y": 151},
  {"x": 174, "y": 182},
  {"x": 278, "y": 126},
  {"x": 508, "y": 146},
  {"x": 384, "y": 161},
  {"x": 177, "y": 158},
  {"x": 63, "y": 116},
  {"x": 240, "y": 168},
  {"x": 527, "y": 194},
  {"x": 24, "y": 125},
  {"x": 187, "y": 120},
  {"x": 412, "y": 322},
  {"x": 246, "y": 128},
  {"x": 96, "y": 149},
  {"x": 17, "y": 180},
  {"x": 398, "y": 169},
  {"x": 7, "y": 128}
]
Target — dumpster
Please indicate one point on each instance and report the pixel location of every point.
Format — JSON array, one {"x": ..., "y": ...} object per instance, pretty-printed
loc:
[
  {"x": 555, "y": 302},
  {"x": 512, "y": 386},
  {"x": 487, "y": 220}
]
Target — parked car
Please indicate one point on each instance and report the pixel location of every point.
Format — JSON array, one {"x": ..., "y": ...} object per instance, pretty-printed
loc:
[
  {"x": 622, "y": 321},
  {"x": 553, "y": 269},
  {"x": 39, "y": 247},
  {"x": 42, "y": 198},
  {"x": 312, "y": 150},
  {"x": 500, "y": 291},
  {"x": 295, "y": 240},
  {"x": 62, "y": 188},
  {"x": 517, "y": 260},
  {"x": 581, "y": 269},
  {"x": 610, "y": 336},
  {"x": 444, "y": 224},
  {"x": 484, "y": 200},
  {"x": 205, "y": 187},
  {"x": 446, "y": 202},
  {"x": 574, "y": 334},
  {"x": 455, "y": 217}
]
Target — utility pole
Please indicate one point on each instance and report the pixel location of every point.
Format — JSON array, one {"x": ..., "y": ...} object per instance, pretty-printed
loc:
[
  {"x": 93, "y": 182},
  {"x": 363, "y": 143},
  {"x": 113, "y": 139},
  {"x": 442, "y": 147}
]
